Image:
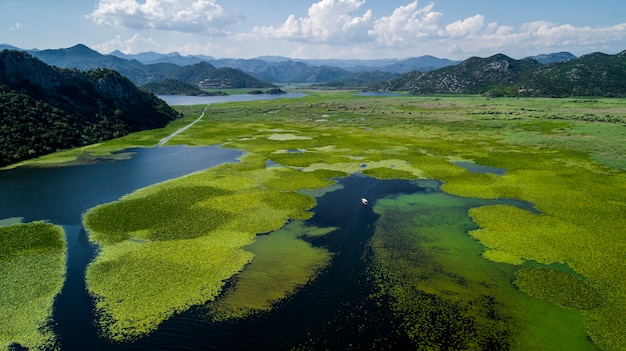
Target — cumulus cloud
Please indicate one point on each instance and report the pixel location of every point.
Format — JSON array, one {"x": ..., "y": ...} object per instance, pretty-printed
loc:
[
  {"x": 468, "y": 26},
  {"x": 187, "y": 16},
  {"x": 347, "y": 26},
  {"x": 327, "y": 20},
  {"x": 133, "y": 45}
]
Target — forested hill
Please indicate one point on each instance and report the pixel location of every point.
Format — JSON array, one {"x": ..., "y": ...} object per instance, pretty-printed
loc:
[
  {"x": 594, "y": 74},
  {"x": 44, "y": 108}
]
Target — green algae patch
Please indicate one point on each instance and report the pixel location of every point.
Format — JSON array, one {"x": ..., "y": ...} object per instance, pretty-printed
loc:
[
  {"x": 32, "y": 272},
  {"x": 559, "y": 287},
  {"x": 445, "y": 294},
  {"x": 139, "y": 285},
  {"x": 282, "y": 263}
]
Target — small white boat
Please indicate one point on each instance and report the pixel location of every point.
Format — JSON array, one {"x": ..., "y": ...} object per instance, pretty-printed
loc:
[{"x": 364, "y": 201}]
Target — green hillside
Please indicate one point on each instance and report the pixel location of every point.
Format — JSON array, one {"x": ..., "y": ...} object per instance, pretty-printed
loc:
[{"x": 45, "y": 108}]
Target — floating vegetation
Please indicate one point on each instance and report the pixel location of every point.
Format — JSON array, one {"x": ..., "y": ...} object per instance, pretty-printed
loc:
[
  {"x": 282, "y": 263},
  {"x": 445, "y": 295},
  {"x": 32, "y": 272},
  {"x": 559, "y": 287},
  {"x": 174, "y": 245},
  {"x": 139, "y": 285},
  {"x": 424, "y": 263}
]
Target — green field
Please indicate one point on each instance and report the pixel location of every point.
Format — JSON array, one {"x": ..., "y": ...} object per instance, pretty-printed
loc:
[{"x": 563, "y": 263}]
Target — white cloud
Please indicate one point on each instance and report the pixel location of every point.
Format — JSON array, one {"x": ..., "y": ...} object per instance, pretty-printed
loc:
[
  {"x": 327, "y": 20},
  {"x": 187, "y": 16},
  {"x": 468, "y": 26},
  {"x": 406, "y": 24},
  {"x": 136, "y": 44},
  {"x": 348, "y": 28},
  {"x": 17, "y": 26}
]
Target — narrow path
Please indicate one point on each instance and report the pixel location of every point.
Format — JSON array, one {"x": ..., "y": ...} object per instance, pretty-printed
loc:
[{"x": 167, "y": 138}]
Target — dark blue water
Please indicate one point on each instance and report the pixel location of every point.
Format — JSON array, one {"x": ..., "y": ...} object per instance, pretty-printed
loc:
[{"x": 61, "y": 194}]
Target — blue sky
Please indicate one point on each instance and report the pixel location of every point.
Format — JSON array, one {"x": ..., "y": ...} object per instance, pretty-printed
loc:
[{"x": 347, "y": 29}]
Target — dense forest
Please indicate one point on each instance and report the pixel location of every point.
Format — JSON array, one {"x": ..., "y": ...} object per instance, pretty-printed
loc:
[{"x": 45, "y": 108}]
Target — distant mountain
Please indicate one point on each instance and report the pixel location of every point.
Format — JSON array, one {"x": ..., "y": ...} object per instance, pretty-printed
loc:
[
  {"x": 422, "y": 75},
  {"x": 152, "y": 57},
  {"x": 172, "y": 87},
  {"x": 360, "y": 80},
  {"x": 472, "y": 76},
  {"x": 83, "y": 58},
  {"x": 589, "y": 75},
  {"x": 552, "y": 58},
  {"x": 45, "y": 108},
  {"x": 9, "y": 47},
  {"x": 207, "y": 76},
  {"x": 422, "y": 64},
  {"x": 280, "y": 69}
]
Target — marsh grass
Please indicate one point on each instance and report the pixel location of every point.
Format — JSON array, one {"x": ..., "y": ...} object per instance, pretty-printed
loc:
[
  {"x": 558, "y": 154},
  {"x": 32, "y": 272}
]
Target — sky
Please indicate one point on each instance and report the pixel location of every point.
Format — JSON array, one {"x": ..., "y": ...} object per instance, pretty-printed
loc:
[{"x": 323, "y": 29}]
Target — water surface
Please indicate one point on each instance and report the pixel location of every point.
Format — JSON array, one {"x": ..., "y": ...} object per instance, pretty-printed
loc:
[{"x": 201, "y": 100}]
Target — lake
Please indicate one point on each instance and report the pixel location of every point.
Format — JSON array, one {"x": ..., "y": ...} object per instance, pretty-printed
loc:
[{"x": 201, "y": 100}]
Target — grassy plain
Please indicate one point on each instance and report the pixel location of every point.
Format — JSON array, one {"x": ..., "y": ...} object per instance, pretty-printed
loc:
[{"x": 565, "y": 156}]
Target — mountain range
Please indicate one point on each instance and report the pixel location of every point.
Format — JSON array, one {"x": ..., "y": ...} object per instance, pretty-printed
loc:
[
  {"x": 153, "y": 67},
  {"x": 595, "y": 74},
  {"x": 556, "y": 74}
]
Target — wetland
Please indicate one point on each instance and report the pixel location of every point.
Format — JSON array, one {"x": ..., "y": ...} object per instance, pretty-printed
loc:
[{"x": 493, "y": 224}]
